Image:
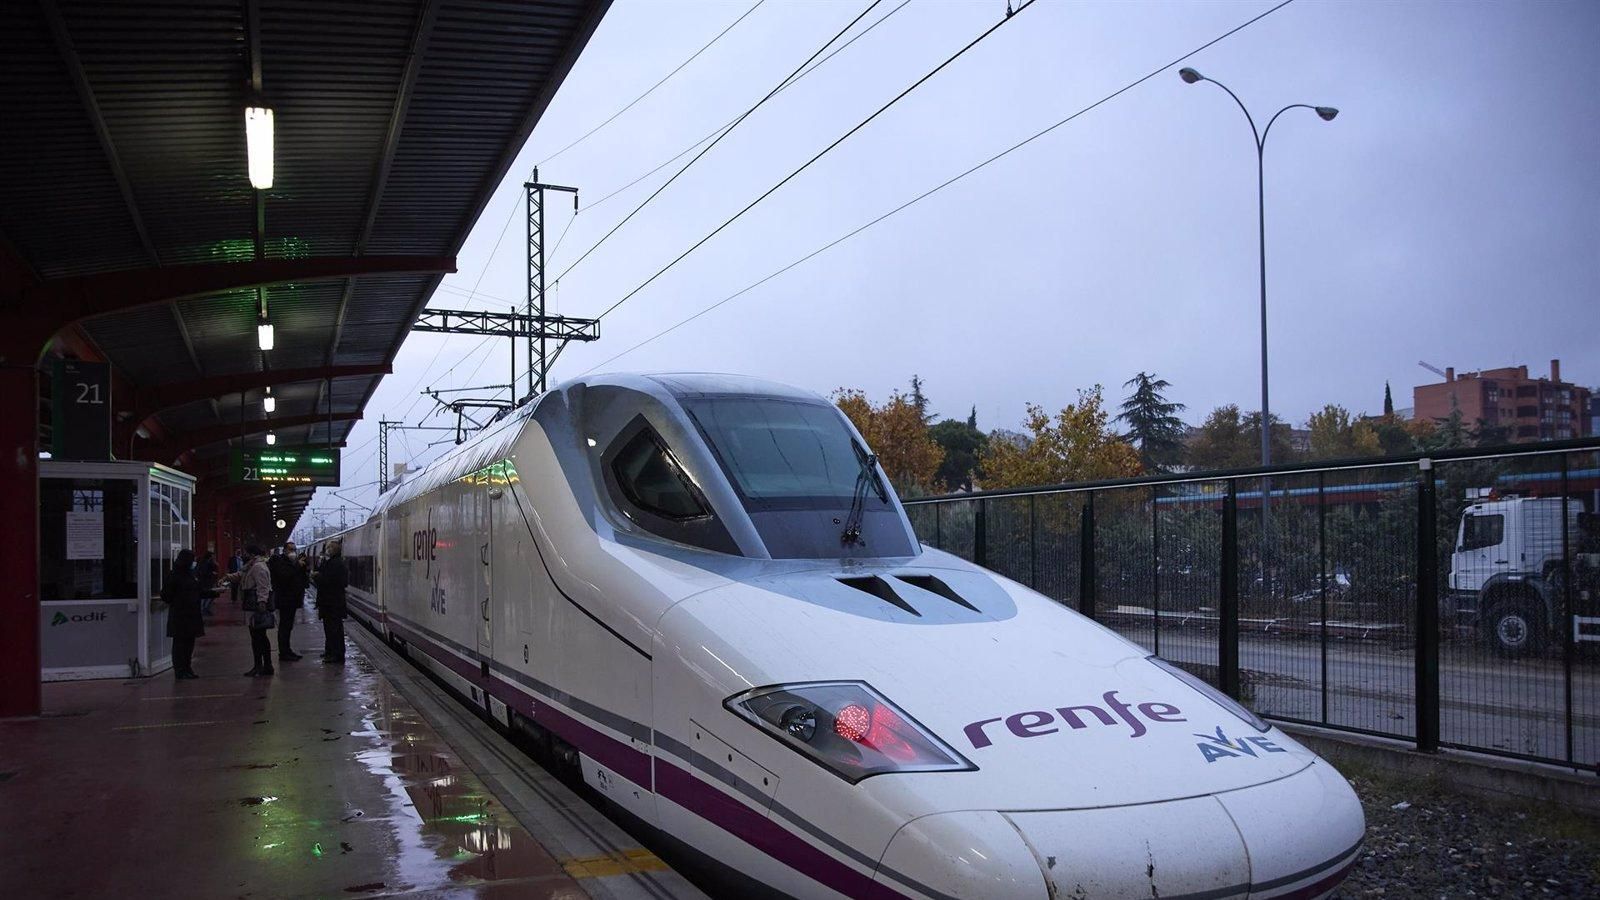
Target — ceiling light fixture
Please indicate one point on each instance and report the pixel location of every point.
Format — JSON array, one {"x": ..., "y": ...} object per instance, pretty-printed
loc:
[
  {"x": 271, "y": 439},
  {"x": 264, "y": 338},
  {"x": 269, "y": 402},
  {"x": 258, "y": 145}
]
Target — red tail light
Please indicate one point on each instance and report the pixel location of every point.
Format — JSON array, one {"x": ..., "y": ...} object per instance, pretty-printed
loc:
[
  {"x": 847, "y": 727},
  {"x": 853, "y": 722},
  {"x": 891, "y": 736}
]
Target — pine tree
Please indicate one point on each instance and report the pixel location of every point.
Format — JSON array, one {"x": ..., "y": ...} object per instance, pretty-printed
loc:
[
  {"x": 1388, "y": 400},
  {"x": 972, "y": 418},
  {"x": 1153, "y": 424},
  {"x": 919, "y": 399}
]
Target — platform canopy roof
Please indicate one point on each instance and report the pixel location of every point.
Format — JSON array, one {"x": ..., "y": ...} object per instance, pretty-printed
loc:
[{"x": 124, "y": 173}]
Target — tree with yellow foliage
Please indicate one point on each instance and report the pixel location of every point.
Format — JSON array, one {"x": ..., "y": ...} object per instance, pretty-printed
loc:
[
  {"x": 1335, "y": 436},
  {"x": 1075, "y": 445},
  {"x": 897, "y": 432}
]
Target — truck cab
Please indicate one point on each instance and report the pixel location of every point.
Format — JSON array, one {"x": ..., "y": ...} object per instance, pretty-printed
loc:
[{"x": 1507, "y": 569}]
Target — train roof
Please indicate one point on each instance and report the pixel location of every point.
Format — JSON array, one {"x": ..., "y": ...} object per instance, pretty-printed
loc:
[
  {"x": 494, "y": 442},
  {"x": 689, "y": 385}
]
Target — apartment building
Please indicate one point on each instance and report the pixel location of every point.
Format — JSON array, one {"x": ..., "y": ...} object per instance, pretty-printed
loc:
[{"x": 1529, "y": 409}]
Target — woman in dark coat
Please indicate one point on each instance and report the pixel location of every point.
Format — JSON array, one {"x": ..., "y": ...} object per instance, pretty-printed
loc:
[
  {"x": 332, "y": 579},
  {"x": 181, "y": 593}
]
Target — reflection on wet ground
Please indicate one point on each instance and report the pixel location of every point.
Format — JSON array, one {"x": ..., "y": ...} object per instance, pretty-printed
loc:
[
  {"x": 439, "y": 813},
  {"x": 320, "y": 782}
]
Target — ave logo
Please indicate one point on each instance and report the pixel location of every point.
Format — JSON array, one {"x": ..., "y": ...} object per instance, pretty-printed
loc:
[
  {"x": 436, "y": 597},
  {"x": 1218, "y": 746}
]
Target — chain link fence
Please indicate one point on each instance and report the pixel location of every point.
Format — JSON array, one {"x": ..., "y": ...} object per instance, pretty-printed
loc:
[{"x": 1451, "y": 600}]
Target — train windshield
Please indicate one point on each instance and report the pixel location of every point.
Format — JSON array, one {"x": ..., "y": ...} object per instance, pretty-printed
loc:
[{"x": 785, "y": 454}]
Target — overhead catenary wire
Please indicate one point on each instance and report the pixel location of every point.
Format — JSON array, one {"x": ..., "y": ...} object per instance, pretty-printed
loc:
[
  {"x": 941, "y": 186},
  {"x": 648, "y": 91},
  {"x": 725, "y": 132},
  {"x": 713, "y": 132},
  {"x": 788, "y": 80},
  {"x": 812, "y": 62},
  {"x": 512, "y": 215},
  {"x": 1010, "y": 16},
  {"x": 810, "y": 66},
  {"x": 906, "y": 205}
]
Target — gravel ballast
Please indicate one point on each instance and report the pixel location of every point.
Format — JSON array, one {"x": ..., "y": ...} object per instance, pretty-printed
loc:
[{"x": 1427, "y": 841}]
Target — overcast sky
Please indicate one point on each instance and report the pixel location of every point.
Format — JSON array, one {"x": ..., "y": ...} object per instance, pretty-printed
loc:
[{"x": 1449, "y": 214}]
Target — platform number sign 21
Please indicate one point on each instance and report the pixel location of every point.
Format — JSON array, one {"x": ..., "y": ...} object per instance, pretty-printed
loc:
[{"x": 81, "y": 410}]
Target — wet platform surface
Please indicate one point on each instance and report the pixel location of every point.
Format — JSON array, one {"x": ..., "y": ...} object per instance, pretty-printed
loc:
[{"x": 323, "y": 781}]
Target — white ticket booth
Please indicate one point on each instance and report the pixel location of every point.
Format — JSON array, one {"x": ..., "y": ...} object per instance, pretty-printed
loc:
[{"x": 108, "y": 534}]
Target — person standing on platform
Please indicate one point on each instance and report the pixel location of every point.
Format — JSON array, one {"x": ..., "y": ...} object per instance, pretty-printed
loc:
[
  {"x": 332, "y": 579},
  {"x": 289, "y": 583},
  {"x": 205, "y": 571},
  {"x": 255, "y": 596},
  {"x": 181, "y": 593}
]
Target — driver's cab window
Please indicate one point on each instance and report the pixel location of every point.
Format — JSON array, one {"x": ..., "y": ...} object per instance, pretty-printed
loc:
[
  {"x": 651, "y": 488},
  {"x": 653, "y": 481},
  {"x": 1478, "y": 532}
]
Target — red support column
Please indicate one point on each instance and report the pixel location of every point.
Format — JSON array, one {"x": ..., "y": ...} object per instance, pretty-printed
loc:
[{"x": 19, "y": 552}]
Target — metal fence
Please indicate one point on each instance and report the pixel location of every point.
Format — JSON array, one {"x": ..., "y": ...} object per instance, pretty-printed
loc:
[{"x": 1451, "y": 600}]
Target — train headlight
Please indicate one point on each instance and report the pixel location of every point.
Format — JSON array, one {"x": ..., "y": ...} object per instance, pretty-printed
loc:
[
  {"x": 847, "y": 728},
  {"x": 1212, "y": 694}
]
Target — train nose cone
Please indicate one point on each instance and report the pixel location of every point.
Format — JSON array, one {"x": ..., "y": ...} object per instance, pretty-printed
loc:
[
  {"x": 963, "y": 854},
  {"x": 1304, "y": 832},
  {"x": 1177, "y": 848},
  {"x": 1294, "y": 837}
]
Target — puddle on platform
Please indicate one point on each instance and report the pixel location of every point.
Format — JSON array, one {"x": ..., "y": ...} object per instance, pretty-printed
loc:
[{"x": 448, "y": 830}]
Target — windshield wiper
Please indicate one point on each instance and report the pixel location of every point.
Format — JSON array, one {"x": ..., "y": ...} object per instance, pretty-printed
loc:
[{"x": 866, "y": 477}]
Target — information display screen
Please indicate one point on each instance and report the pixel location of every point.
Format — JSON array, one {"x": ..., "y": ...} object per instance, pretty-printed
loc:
[
  {"x": 81, "y": 423},
  {"x": 289, "y": 465}
]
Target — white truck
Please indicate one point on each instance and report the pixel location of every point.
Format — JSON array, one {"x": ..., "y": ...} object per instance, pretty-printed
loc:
[{"x": 1508, "y": 573}]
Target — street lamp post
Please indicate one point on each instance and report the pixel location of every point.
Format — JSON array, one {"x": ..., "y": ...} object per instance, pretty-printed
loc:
[{"x": 1190, "y": 76}]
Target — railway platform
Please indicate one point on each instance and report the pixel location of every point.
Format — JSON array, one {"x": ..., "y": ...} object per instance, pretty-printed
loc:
[{"x": 361, "y": 780}]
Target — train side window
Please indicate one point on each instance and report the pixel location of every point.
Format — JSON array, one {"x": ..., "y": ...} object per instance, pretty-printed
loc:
[
  {"x": 652, "y": 479},
  {"x": 646, "y": 481}
]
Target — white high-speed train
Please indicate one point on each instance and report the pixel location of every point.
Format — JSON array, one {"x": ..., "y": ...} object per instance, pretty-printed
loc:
[{"x": 703, "y": 590}]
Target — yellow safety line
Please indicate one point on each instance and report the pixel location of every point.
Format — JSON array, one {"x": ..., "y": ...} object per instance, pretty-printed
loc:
[{"x": 627, "y": 862}]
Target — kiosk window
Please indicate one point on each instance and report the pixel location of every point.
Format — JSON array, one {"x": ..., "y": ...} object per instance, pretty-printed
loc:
[{"x": 88, "y": 539}]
